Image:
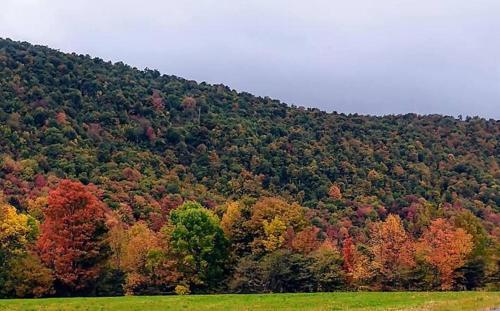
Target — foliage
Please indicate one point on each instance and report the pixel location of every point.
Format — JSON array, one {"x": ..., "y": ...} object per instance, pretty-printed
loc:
[
  {"x": 392, "y": 250},
  {"x": 446, "y": 248},
  {"x": 283, "y": 271},
  {"x": 327, "y": 268},
  {"x": 16, "y": 231},
  {"x": 144, "y": 257},
  {"x": 71, "y": 242},
  {"x": 29, "y": 278},
  {"x": 247, "y": 277},
  {"x": 349, "y": 201},
  {"x": 269, "y": 221},
  {"x": 197, "y": 239},
  {"x": 182, "y": 290}
]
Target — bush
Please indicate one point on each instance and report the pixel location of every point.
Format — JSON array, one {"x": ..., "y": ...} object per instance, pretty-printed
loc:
[{"x": 182, "y": 290}]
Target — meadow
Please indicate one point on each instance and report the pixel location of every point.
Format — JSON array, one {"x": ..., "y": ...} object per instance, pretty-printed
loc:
[{"x": 315, "y": 301}]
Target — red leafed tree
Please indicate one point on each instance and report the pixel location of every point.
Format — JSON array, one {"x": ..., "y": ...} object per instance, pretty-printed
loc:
[
  {"x": 157, "y": 101},
  {"x": 356, "y": 264},
  {"x": 61, "y": 118},
  {"x": 71, "y": 242},
  {"x": 306, "y": 241},
  {"x": 150, "y": 133},
  {"x": 347, "y": 253},
  {"x": 446, "y": 248}
]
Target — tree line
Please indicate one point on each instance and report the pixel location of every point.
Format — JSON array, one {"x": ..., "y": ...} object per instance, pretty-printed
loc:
[{"x": 72, "y": 244}]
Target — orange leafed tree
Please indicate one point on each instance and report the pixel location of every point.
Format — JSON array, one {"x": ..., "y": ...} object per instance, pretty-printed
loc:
[
  {"x": 142, "y": 254},
  {"x": 306, "y": 241},
  {"x": 335, "y": 192},
  {"x": 446, "y": 248},
  {"x": 356, "y": 264},
  {"x": 71, "y": 242},
  {"x": 392, "y": 249}
]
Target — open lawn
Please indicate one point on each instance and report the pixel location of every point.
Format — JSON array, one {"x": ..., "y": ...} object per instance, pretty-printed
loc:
[{"x": 317, "y": 301}]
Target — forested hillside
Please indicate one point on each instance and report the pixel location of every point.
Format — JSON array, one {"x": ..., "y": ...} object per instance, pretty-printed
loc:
[{"x": 277, "y": 187}]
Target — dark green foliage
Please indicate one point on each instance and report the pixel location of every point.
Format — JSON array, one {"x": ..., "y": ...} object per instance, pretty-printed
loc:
[
  {"x": 114, "y": 111},
  {"x": 247, "y": 277},
  {"x": 327, "y": 268},
  {"x": 284, "y": 271},
  {"x": 110, "y": 283}
]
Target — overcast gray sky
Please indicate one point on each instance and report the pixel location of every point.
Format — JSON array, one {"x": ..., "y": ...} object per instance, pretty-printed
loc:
[{"x": 364, "y": 56}]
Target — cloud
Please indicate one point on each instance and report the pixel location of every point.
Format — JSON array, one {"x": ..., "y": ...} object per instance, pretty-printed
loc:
[{"x": 365, "y": 56}]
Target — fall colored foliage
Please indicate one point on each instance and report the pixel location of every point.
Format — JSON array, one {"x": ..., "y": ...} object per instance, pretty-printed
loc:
[
  {"x": 392, "y": 249},
  {"x": 29, "y": 278},
  {"x": 143, "y": 255},
  {"x": 71, "y": 241},
  {"x": 335, "y": 193},
  {"x": 270, "y": 219},
  {"x": 14, "y": 231},
  {"x": 307, "y": 241},
  {"x": 446, "y": 248},
  {"x": 113, "y": 181},
  {"x": 356, "y": 264}
]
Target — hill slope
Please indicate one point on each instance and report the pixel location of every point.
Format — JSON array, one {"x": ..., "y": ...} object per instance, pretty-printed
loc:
[
  {"x": 288, "y": 199},
  {"x": 79, "y": 117}
]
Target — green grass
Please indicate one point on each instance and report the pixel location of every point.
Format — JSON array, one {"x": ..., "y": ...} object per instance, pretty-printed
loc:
[{"x": 318, "y": 301}]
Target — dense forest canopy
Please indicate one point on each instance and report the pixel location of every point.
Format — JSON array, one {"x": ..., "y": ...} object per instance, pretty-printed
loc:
[{"x": 138, "y": 144}]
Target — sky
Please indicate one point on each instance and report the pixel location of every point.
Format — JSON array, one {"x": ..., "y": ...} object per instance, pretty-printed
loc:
[{"x": 359, "y": 56}]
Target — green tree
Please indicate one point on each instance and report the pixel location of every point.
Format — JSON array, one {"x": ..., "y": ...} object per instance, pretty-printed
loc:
[
  {"x": 198, "y": 241},
  {"x": 284, "y": 271},
  {"x": 327, "y": 268}
]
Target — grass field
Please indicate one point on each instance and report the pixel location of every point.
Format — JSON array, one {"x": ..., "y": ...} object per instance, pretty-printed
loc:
[{"x": 318, "y": 301}]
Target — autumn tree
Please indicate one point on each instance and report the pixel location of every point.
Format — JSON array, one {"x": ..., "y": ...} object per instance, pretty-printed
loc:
[
  {"x": 157, "y": 101},
  {"x": 392, "y": 250},
  {"x": 188, "y": 103},
  {"x": 356, "y": 264},
  {"x": 72, "y": 237},
  {"x": 29, "y": 278},
  {"x": 446, "y": 248},
  {"x": 474, "y": 270},
  {"x": 234, "y": 225},
  {"x": 269, "y": 221},
  {"x": 16, "y": 229},
  {"x": 16, "y": 232},
  {"x": 232, "y": 213},
  {"x": 198, "y": 242},
  {"x": 143, "y": 255},
  {"x": 36, "y": 207},
  {"x": 306, "y": 241},
  {"x": 335, "y": 192}
]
